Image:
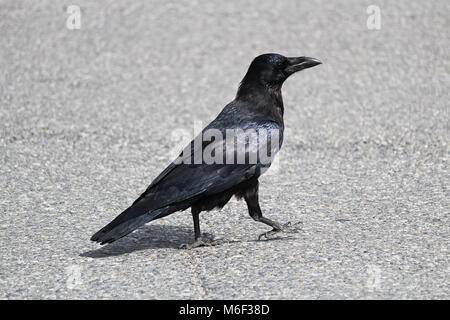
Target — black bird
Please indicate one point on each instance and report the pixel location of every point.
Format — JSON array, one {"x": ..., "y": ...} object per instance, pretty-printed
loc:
[{"x": 202, "y": 185}]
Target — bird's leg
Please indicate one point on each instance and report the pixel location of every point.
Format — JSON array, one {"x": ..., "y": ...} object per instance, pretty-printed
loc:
[
  {"x": 251, "y": 198},
  {"x": 197, "y": 234},
  {"x": 195, "y": 216}
]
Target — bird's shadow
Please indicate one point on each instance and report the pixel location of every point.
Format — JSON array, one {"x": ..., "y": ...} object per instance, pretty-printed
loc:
[
  {"x": 157, "y": 237},
  {"x": 147, "y": 237}
]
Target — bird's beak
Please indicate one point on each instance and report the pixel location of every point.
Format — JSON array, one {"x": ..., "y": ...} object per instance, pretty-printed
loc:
[{"x": 300, "y": 63}]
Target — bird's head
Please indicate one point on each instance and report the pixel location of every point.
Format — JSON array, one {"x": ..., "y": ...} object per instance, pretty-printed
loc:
[{"x": 271, "y": 69}]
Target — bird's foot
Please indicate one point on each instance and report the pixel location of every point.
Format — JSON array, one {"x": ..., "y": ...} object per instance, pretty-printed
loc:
[
  {"x": 287, "y": 228},
  {"x": 199, "y": 243}
]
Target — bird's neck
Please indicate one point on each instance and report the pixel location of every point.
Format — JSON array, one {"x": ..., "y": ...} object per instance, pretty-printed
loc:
[{"x": 267, "y": 100}]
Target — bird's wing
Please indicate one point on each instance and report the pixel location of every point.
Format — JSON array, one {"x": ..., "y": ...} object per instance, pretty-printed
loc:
[{"x": 182, "y": 181}]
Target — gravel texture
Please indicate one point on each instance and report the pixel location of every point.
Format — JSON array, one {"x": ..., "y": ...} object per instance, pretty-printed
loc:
[{"x": 89, "y": 117}]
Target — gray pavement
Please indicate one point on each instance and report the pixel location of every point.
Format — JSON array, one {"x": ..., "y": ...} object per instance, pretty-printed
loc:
[{"x": 86, "y": 121}]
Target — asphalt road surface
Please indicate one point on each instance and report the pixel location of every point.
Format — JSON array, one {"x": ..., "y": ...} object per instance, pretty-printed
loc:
[{"x": 86, "y": 122}]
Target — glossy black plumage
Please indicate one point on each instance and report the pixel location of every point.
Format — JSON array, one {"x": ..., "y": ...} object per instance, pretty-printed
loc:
[{"x": 258, "y": 105}]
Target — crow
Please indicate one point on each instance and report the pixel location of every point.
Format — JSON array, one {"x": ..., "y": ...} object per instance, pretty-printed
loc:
[{"x": 210, "y": 170}]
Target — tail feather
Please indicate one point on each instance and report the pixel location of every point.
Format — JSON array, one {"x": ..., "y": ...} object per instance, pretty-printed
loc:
[{"x": 126, "y": 222}]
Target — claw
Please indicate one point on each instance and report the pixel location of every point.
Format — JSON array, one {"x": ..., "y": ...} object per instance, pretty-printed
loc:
[
  {"x": 291, "y": 228},
  {"x": 268, "y": 234},
  {"x": 288, "y": 228},
  {"x": 198, "y": 243}
]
